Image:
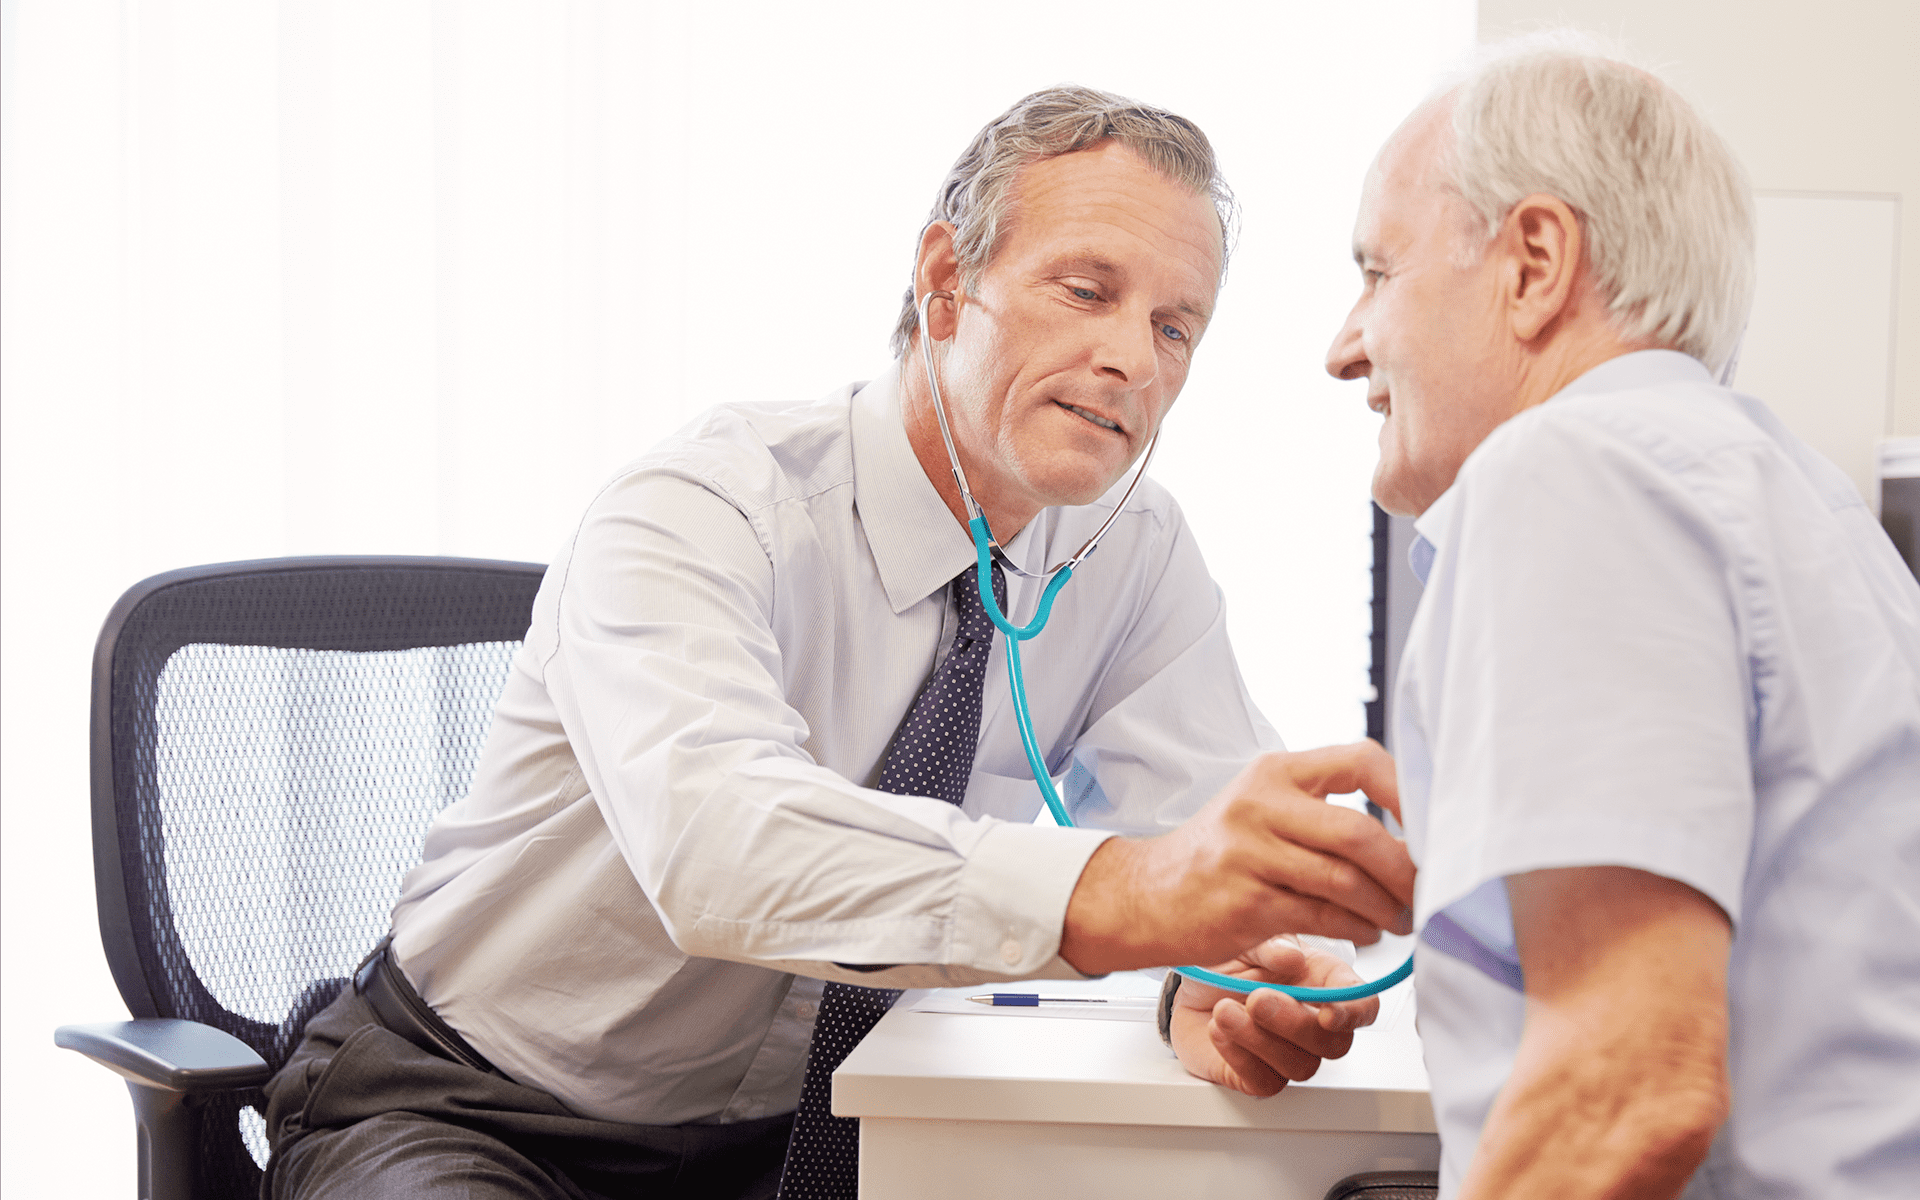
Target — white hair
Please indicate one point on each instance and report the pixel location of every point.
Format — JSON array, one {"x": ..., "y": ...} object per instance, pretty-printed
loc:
[{"x": 1666, "y": 209}]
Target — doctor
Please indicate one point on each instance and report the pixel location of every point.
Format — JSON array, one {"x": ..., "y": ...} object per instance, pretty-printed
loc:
[
  {"x": 1659, "y": 714},
  {"x": 757, "y": 741}
]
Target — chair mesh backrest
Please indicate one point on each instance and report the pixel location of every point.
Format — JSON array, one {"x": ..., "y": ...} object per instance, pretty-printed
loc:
[{"x": 275, "y": 738}]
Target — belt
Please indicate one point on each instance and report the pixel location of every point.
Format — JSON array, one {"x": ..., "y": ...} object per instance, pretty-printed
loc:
[{"x": 399, "y": 1008}]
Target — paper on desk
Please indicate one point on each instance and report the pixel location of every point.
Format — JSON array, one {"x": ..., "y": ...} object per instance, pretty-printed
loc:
[{"x": 1120, "y": 983}]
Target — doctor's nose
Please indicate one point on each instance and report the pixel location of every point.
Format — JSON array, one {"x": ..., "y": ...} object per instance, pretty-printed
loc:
[
  {"x": 1126, "y": 353},
  {"x": 1347, "y": 357}
]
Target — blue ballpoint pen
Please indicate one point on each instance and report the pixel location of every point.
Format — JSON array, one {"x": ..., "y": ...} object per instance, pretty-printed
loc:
[{"x": 1031, "y": 1000}]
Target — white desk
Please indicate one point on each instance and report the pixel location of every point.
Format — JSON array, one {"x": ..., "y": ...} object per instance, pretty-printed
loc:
[{"x": 956, "y": 1107}]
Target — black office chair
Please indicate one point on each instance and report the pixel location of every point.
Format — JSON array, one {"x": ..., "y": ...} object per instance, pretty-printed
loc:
[{"x": 270, "y": 741}]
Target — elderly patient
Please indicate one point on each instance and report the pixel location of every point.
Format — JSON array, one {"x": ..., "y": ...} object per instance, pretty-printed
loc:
[{"x": 1658, "y": 721}]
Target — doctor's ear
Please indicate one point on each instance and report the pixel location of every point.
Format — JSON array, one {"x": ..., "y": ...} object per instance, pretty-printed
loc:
[{"x": 937, "y": 269}]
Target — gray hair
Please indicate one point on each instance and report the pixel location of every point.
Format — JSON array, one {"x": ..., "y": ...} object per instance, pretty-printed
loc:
[
  {"x": 1666, "y": 208},
  {"x": 977, "y": 195}
]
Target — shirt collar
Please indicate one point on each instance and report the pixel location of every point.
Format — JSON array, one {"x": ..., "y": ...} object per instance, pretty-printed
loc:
[
  {"x": 917, "y": 545},
  {"x": 1639, "y": 369},
  {"x": 1642, "y": 368}
]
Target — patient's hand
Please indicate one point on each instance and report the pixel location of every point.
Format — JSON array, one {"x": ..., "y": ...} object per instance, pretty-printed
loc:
[{"x": 1256, "y": 1043}]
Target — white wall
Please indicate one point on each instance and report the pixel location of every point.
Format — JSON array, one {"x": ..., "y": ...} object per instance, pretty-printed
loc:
[{"x": 1819, "y": 343}]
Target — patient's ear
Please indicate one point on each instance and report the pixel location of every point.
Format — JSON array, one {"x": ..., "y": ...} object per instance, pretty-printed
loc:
[{"x": 1545, "y": 247}]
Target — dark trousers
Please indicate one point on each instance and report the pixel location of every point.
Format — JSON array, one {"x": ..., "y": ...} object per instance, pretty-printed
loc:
[{"x": 360, "y": 1112}]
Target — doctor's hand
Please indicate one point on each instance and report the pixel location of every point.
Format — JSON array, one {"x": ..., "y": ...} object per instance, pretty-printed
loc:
[
  {"x": 1266, "y": 854},
  {"x": 1257, "y": 1043}
]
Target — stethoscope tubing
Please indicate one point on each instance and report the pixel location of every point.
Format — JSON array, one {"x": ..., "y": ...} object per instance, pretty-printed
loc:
[
  {"x": 1311, "y": 995},
  {"x": 986, "y": 550}
]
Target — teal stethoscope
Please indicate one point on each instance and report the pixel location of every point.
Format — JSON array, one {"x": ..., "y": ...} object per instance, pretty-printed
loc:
[{"x": 988, "y": 550}]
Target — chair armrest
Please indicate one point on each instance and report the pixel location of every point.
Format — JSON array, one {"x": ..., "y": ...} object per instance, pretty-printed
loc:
[{"x": 169, "y": 1054}]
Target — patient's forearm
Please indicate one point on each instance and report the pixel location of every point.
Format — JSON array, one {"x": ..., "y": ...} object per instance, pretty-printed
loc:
[
  {"x": 1579, "y": 1119},
  {"x": 1620, "y": 1080}
]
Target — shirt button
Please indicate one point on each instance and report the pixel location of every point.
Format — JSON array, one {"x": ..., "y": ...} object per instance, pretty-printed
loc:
[
  {"x": 808, "y": 1011},
  {"x": 1010, "y": 952}
]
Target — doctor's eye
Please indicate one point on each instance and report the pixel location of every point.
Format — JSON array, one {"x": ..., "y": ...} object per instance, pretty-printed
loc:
[
  {"x": 1174, "y": 332},
  {"x": 1081, "y": 293}
]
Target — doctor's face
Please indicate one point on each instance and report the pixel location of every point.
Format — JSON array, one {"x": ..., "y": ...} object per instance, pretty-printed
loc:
[
  {"x": 1428, "y": 332},
  {"x": 1076, "y": 338}
]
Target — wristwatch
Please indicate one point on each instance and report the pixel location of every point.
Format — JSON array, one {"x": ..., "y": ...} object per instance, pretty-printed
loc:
[{"x": 1169, "y": 988}]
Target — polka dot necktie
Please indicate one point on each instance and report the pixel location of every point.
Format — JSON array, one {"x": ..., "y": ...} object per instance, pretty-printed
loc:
[{"x": 932, "y": 755}]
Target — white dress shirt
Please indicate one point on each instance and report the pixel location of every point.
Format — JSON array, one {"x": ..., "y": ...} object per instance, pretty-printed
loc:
[
  {"x": 1659, "y": 632},
  {"x": 674, "y": 816}
]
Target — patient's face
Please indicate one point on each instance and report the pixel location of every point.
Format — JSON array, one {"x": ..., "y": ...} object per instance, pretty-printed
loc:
[{"x": 1429, "y": 332}]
